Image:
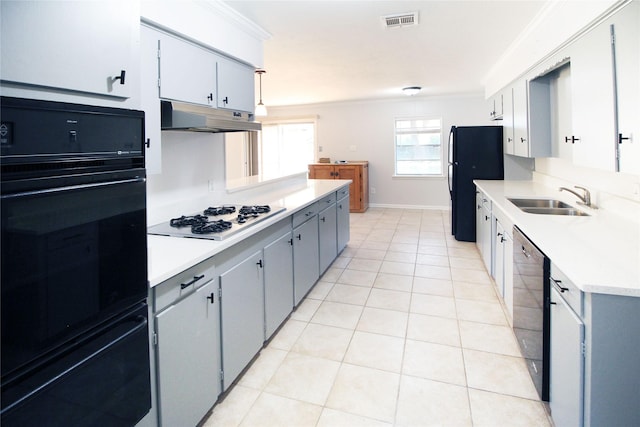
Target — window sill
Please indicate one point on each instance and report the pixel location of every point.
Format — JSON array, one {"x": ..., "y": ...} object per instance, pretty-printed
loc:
[{"x": 439, "y": 177}]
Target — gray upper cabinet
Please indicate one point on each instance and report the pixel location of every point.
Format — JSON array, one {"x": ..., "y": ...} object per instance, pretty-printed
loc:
[
  {"x": 235, "y": 85},
  {"x": 520, "y": 123},
  {"x": 342, "y": 208},
  {"x": 80, "y": 47},
  {"x": 327, "y": 235},
  {"x": 187, "y": 72},
  {"x": 627, "y": 53},
  {"x": 592, "y": 100},
  {"x": 149, "y": 100}
]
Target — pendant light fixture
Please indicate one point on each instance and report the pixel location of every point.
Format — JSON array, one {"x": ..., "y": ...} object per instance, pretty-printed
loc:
[{"x": 261, "y": 110}]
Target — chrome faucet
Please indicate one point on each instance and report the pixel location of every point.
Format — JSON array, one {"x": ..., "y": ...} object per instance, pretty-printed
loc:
[{"x": 585, "y": 197}]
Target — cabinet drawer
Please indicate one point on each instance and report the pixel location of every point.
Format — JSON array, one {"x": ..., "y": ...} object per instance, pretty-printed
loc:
[
  {"x": 326, "y": 201},
  {"x": 304, "y": 214},
  {"x": 181, "y": 285},
  {"x": 342, "y": 193},
  {"x": 567, "y": 289}
]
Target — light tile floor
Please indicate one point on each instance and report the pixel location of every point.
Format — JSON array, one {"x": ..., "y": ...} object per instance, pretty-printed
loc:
[{"x": 405, "y": 329}]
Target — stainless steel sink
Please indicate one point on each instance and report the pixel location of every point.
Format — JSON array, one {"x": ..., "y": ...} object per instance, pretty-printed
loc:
[
  {"x": 555, "y": 211},
  {"x": 546, "y": 207},
  {"x": 539, "y": 203}
]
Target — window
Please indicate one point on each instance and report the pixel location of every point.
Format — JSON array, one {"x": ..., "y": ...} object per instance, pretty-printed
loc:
[
  {"x": 418, "y": 147},
  {"x": 286, "y": 147}
]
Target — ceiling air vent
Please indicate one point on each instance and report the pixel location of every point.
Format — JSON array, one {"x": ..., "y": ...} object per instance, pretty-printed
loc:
[{"x": 400, "y": 20}]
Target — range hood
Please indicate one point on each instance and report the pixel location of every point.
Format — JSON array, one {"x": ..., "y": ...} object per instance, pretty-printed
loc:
[{"x": 196, "y": 118}]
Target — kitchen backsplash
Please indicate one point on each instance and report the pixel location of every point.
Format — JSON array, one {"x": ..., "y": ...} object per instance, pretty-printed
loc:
[{"x": 617, "y": 192}]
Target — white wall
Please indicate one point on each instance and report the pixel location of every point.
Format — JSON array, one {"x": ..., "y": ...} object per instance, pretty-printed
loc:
[
  {"x": 193, "y": 173},
  {"x": 369, "y": 126}
]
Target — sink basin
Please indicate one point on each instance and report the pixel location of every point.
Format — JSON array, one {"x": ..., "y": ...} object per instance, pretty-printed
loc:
[
  {"x": 555, "y": 211},
  {"x": 539, "y": 203}
]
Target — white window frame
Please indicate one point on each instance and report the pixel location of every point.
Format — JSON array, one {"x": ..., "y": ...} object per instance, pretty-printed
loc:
[
  {"x": 292, "y": 120},
  {"x": 395, "y": 152}
]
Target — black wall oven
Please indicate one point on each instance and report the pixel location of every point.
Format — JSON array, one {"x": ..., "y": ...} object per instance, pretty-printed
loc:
[{"x": 75, "y": 347}]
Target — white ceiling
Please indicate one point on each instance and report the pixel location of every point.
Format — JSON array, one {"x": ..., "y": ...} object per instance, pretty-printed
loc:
[{"x": 332, "y": 50}]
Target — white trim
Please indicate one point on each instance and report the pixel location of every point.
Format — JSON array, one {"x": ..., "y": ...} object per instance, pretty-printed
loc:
[
  {"x": 243, "y": 23},
  {"x": 421, "y": 207}
]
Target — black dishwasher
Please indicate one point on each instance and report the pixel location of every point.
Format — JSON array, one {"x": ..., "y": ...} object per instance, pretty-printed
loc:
[{"x": 531, "y": 308}]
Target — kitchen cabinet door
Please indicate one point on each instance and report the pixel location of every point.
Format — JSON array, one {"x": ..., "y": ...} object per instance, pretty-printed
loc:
[
  {"x": 327, "y": 236},
  {"x": 343, "y": 226},
  {"x": 592, "y": 100},
  {"x": 566, "y": 365},
  {"x": 627, "y": 50},
  {"x": 487, "y": 237},
  {"x": 520, "y": 123},
  {"x": 278, "y": 282},
  {"x": 149, "y": 99},
  {"x": 188, "y": 355},
  {"x": 498, "y": 273},
  {"x": 80, "y": 47},
  {"x": 507, "y": 121},
  {"x": 187, "y": 72},
  {"x": 242, "y": 315},
  {"x": 306, "y": 265},
  {"x": 235, "y": 85},
  {"x": 561, "y": 94}
]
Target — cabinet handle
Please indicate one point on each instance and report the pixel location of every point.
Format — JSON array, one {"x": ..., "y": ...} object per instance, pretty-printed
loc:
[
  {"x": 323, "y": 219},
  {"x": 259, "y": 263},
  {"x": 210, "y": 97},
  {"x": 523, "y": 140},
  {"x": 195, "y": 279},
  {"x": 290, "y": 242},
  {"x": 552, "y": 303},
  {"x": 225, "y": 100},
  {"x": 509, "y": 139},
  {"x": 120, "y": 77},
  {"x": 211, "y": 298},
  {"x": 573, "y": 139},
  {"x": 299, "y": 236},
  {"x": 524, "y": 251},
  {"x": 309, "y": 213},
  {"x": 559, "y": 285},
  {"x": 148, "y": 142},
  {"x": 486, "y": 218},
  {"x": 622, "y": 138}
]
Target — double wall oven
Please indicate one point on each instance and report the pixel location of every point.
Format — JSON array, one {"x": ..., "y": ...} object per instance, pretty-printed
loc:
[{"x": 75, "y": 347}]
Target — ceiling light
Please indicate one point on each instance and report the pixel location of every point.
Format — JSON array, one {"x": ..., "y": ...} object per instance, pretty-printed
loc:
[
  {"x": 261, "y": 110},
  {"x": 411, "y": 90}
]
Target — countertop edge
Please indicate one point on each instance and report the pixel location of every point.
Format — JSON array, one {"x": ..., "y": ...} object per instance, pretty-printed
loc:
[
  {"x": 169, "y": 256},
  {"x": 588, "y": 273}
]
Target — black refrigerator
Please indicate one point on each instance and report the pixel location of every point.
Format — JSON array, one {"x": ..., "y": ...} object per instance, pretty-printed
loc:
[{"x": 475, "y": 152}]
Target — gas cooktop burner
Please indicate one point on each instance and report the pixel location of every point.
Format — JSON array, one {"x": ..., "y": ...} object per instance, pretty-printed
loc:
[
  {"x": 216, "y": 223},
  {"x": 211, "y": 227},
  {"x": 254, "y": 210},
  {"x": 220, "y": 210},
  {"x": 185, "y": 221}
]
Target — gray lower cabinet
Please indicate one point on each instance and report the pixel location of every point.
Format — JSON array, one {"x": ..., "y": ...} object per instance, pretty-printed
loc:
[
  {"x": 306, "y": 268},
  {"x": 566, "y": 373},
  {"x": 278, "y": 282},
  {"x": 188, "y": 356},
  {"x": 327, "y": 236},
  {"x": 342, "y": 218},
  {"x": 242, "y": 315}
]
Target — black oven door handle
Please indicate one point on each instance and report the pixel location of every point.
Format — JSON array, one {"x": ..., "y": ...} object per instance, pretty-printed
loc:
[
  {"x": 140, "y": 322},
  {"x": 58, "y": 190}
]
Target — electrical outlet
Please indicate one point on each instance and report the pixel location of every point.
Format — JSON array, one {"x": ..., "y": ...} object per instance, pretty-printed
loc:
[
  {"x": 212, "y": 186},
  {"x": 319, "y": 148}
]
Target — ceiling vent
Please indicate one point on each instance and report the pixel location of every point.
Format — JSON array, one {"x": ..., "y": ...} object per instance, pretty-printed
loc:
[{"x": 400, "y": 20}]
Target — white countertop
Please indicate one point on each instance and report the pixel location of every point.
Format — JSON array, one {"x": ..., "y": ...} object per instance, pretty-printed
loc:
[
  {"x": 600, "y": 253},
  {"x": 168, "y": 256}
]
